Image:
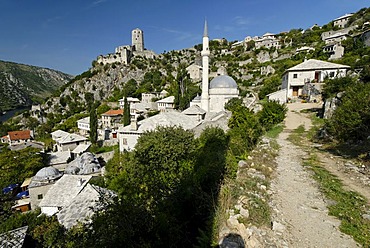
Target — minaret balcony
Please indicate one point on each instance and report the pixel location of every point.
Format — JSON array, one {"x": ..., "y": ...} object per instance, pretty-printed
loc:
[{"x": 205, "y": 53}]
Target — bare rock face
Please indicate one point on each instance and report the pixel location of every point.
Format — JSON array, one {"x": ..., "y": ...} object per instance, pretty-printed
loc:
[
  {"x": 263, "y": 57},
  {"x": 331, "y": 105}
]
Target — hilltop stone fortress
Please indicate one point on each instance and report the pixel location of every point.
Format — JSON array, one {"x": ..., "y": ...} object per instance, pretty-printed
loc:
[{"x": 123, "y": 54}]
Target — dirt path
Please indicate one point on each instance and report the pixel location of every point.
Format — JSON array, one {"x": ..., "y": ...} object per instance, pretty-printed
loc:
[
  {"x": 352, "y": 180},
  {"x": 300, "y": 214}
]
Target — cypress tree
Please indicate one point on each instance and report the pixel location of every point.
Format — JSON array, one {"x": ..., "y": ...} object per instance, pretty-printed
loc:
[
  {"x": 126, "y": 113},
  {"x": 93, "y": 125}
]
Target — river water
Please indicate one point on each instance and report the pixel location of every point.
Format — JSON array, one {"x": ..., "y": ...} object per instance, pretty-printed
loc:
[{"x": 9, "y": 114}]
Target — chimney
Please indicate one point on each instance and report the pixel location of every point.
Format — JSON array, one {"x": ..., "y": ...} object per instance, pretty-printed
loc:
[{"x": 133, "y": 124}]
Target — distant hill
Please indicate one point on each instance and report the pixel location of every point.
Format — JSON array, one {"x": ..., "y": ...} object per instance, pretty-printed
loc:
[{"x": 20, "y": 84}]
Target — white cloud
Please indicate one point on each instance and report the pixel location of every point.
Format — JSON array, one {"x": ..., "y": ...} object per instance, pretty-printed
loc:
[{"x": 241, "y": 21}]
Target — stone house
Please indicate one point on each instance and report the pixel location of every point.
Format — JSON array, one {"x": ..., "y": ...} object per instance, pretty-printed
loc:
[
  {"x": 62, "y": 193},
  {"x": 67, "y": 141},
  {"x": 17, "y": 137},
  {"x": 112, "y": 118},
  {"x": 166, "y": 104},
  {"x": 83, "y": 206},
  {"x": 313, "y": 71},
  {"x": 84, "y": 125},
  {"x": 267, "y": 40},
  {"x": 41, "y": 183},
  {"x": 337, "y": 37},
  {"x": 342, "y": 21},
  {"x": 130, "y": 100},
  {"x": 195, "y": 72},
  {"x": 336, "y": 50},
  {"x": 364, "y": 37}
]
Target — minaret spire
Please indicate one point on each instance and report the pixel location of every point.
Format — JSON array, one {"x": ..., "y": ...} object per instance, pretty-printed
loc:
[
  {"x": 205, "y": 33},
  {"x": 205, "y": 62}
]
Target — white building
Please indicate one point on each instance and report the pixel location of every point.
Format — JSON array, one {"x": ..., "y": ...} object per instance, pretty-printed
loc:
[
  {"x": 267, "y": 40},
  {"x": 130, "y": 100},
  {"x": 313, "y": 71},
  {"x": 166, "y": 104},
  {"x": 129, "y": 135},
  {"x": 336, "y": 50},
  {"x": 84, "y": 125},
  {"x": 342, "y": 21},
  {"x": 67, "y": 141}
]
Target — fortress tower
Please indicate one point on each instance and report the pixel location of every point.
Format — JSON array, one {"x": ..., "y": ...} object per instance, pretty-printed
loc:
[
  {"x": 205, "y": 60},
  {"x": 137, "y": 40}
]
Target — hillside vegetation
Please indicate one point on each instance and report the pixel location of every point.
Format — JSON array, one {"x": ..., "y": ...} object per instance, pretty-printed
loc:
[{"x": 20, "y": 85}]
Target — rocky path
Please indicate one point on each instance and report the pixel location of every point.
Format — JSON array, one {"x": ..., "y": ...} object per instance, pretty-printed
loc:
[{"x": 300, "y": 214}]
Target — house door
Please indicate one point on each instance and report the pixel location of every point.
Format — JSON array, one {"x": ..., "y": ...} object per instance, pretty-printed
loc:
[
  {"x": 317, "y": 76},
  {"x": 295, "y": 90}
]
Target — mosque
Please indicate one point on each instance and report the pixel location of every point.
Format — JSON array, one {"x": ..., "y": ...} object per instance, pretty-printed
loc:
[
  {"x": 205, "y": 110},
  {"x": 220, "y": 90}
]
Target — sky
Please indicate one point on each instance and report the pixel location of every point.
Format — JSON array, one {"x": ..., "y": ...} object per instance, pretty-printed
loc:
[{"x": 68, "y": 35}]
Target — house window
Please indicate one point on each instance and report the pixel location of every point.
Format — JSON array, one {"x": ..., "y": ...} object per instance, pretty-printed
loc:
[
  {"x": 295, "y": 75},
  {"x": 39, "y": 196},
  {"x": 124, "y": 141},
  {"x": 331, "y": 74}
]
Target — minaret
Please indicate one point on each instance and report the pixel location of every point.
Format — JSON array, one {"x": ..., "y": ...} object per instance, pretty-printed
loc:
[{"x": 205, "y": 61}]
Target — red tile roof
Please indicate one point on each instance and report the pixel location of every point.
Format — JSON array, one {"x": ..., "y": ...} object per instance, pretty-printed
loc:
[
  {"x": 20, "y": 135},
  {"x": 113, "y": 112}
]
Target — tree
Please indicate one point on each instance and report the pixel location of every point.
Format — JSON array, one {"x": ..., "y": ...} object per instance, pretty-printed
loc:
[
  {"x": 93, "y": 125},
  {"x": 15, "y": 166},
  {"x": 126, "y": 113},
  {"x": 182, "y": 88},
  {"x": 163, "y": 158}
]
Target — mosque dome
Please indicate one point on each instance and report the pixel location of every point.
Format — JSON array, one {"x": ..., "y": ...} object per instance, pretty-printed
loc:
[
  {"x": 47, "y": 173},
  {"x": 85, "y": 164},
  {"x": 223, "y": 81}
]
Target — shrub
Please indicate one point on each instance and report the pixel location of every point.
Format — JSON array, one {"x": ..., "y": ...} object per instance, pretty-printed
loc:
[
  {"x": 351, "y": 120},
  {"x": 271, "y": 114}
]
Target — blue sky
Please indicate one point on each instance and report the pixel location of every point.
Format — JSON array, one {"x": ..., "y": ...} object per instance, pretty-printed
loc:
[{"x": 67, "y": 35}]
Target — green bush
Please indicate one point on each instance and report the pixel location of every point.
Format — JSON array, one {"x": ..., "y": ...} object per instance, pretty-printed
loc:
[
  {"x": 351, "y": 120},
  {"x": 336, "y": 85},
  {"x": 271, "y": 114}
]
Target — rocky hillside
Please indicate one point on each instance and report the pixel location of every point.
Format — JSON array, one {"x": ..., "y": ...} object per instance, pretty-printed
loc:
[
  {"x": 254, "y": 69},
  {"x": 20, "y": 84}
]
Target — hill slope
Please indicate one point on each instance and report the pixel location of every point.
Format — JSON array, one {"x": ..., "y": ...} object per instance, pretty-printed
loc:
[{"x": 20, "y": 84}]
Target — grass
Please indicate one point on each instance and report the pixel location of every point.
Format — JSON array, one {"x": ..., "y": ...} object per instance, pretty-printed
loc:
[
  {"x": 349, "y": 206},
  {"x": 102, "y": 149},
  {"x": 274, "y": 132},
  {"x": 298, "y": 135}
]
